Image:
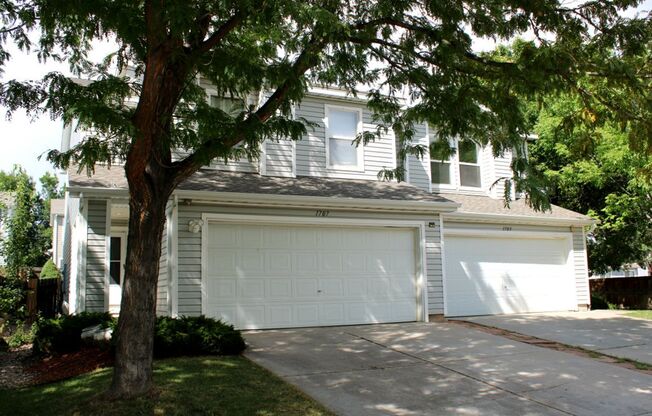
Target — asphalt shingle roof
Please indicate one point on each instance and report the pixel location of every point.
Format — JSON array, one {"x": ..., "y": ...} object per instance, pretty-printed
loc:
[
  {"x": 472, "y": 204},
  {"x": 211, "y": 180}
]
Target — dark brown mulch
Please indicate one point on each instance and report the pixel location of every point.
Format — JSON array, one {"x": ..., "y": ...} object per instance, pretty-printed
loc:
[
  {"x": 61, "y": 367},
  {"x": 20, "y": 368}
]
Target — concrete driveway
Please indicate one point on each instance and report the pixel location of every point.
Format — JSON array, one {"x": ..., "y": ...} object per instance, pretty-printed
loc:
[
  {"x": 445, "y": 368},
  {"x": 608, "y": 332}
]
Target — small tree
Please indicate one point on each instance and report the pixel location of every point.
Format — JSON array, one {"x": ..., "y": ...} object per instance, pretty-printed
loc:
[{"x": 26, "y": 243}]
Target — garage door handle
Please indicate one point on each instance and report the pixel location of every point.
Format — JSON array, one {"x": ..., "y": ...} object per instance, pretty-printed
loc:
[{"x": 319, "y": 291}]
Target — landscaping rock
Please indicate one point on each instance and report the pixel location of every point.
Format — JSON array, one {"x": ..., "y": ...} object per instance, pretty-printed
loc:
[{"x": 96, "y": 333}]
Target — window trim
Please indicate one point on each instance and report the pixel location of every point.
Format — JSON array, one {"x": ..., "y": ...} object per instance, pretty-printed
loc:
[
  {"x": 359, "y": 129},
  {"x": 459, "y": 163},
  {"x": 454, "y": 172},
  {"x": 454, "y": 165}
]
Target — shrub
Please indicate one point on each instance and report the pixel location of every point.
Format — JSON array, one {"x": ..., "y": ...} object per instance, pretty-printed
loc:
[
  {"x": 21, "y": 336},
  {"x": 598, "y": 302},
  {"x": 63, "y": 334},
  {"x": 12, "y": 297},
  {"x": 187, "y": 336},
  {"x": 50, "y": 271}
]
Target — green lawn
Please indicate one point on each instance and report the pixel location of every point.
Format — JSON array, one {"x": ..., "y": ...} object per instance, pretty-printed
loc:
[
  {"x": 645, "y": 314},
  {"x": 186, "y": 386}
]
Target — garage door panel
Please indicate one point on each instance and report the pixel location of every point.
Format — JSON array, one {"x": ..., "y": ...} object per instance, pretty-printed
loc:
[
  {"x": 506, "y": 275},
  {"x": 316, "y": 276}
]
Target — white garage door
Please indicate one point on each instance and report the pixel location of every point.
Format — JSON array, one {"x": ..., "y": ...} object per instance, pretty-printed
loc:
[
  {"x": 487, "y": 276},
  {"x": 267, "y": 276}
]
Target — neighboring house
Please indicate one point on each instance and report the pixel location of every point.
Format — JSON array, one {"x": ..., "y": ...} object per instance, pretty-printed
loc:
[
  {"x": 7, "y": 203},
  {"x": 309, "y": 236},
  {"x": 629, "y": 270}
]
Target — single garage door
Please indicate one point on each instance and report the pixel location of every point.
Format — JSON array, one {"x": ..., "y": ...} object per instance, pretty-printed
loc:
[
  {"x": 280, "y": 276},
  {"x": 486, "y": 276}
]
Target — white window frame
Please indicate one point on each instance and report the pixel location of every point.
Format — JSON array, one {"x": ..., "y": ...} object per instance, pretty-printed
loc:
[
  {"x": 359, "y": 129},
  {"x": 454, "y": 172},
  {"x": 454, "y": 161},
  {"x": 478, "y": 155}
]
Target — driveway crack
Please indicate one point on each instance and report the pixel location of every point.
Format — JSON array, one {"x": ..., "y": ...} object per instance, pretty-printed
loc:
[{"x": 479, "y": 380}]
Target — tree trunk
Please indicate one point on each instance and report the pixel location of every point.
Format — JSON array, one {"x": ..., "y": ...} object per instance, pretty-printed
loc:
[{"x": 132, "y": 374}]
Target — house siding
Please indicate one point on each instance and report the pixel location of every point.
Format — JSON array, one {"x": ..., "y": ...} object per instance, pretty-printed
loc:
[
  {"x": 434, "y": 268},
  {"x": 162, "y": 297},
  {"x": 279, "y": 158},
  {"x": 581, "y": 267},
  {"x": 311, "y": 150},
  {"x": 419, "y": 169},
  {"x": 190, "y": 251},
  {"x": 96, "y": 252}
]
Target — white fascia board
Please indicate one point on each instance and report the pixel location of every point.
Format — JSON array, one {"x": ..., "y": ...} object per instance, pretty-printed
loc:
[
  {"x": 317, "y": 202},
  {"x": 516, "y": 219},
  {"x": 94, "y": 192}
]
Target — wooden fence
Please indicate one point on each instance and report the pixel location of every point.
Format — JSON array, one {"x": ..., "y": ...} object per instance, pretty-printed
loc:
[
  {"x": 44, "y": 297},
  {"x": 624, "y": 292}
]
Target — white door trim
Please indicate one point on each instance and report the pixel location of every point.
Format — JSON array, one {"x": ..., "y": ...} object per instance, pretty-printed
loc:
[{"x": 419, "y": 226}]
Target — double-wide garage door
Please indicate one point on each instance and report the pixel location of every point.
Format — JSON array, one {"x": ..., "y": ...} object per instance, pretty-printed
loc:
[
  {"x": 486, "y": 276},
  {"x": 275, "y": 276}
]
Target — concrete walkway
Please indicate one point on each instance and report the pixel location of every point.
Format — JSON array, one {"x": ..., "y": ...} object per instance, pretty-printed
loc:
[
  {"x": 608, "y": 332},
  {"x": 445, "y": 369}
]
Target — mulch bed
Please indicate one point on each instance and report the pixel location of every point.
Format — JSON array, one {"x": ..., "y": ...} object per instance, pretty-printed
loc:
[{"x": 19, "y": 368}]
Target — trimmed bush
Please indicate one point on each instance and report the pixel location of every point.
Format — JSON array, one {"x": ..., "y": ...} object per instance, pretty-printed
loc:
[
  {"x": 199, "y": 335},
  {"x": 185, "y": 336},
  {"x": 63, "y": 334},
  {"x": 49, "y": 271}
]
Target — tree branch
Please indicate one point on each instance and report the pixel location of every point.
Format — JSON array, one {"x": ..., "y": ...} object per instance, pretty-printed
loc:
[{"x": 219, "y": 34}]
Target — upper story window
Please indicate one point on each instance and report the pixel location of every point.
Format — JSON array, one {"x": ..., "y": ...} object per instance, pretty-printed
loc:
[
  {"x": 468, "y": 154},
  {"x": 459, "y": 170},
  {"x": 342, "y": 127},
  {"x": 231, "y": 106}
]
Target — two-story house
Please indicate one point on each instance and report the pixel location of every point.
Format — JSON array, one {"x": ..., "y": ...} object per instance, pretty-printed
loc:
[{"x": 308, "y": 235}]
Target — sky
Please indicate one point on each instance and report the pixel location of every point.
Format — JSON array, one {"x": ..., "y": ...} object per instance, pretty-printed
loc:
[{"x": 23, "y": 140}]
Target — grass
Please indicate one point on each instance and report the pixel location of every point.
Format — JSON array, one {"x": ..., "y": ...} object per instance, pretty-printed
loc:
[
  {"x": 643, "y": 314},
  {"x": 230, "y": 386}
]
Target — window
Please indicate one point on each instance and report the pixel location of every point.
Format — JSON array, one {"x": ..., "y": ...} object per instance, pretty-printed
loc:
[
  {"x": 342, "y": 127},
  {"x": 231, "y": 106},
  {"x": 115, "y": 260},
  {"x": 469, "y": 165},
  {"x": 440, "y": 164},
  {"x": 466, "y": 159}
]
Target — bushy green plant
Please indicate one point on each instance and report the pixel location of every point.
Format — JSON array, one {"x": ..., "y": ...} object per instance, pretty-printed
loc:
[
  {"x": 200, "y": 335},
  {"x": 599, "y": 302},
  {"x": 22, "y": 336},
  {"x": 12, "y": 297},
  {"x": 50, "y": 271},
  {"x": 63, "y": 334}
]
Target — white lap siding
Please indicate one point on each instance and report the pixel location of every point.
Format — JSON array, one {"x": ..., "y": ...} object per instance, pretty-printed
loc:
[
  {"x": 581, "y": 267},
  {"x": 162, "y": 307},
  {"x": 96, "y": 252},
  {"x": 418, "y": 169},
  {"x": 311, "y": 150},
  {"x": 190, "y": 251}
]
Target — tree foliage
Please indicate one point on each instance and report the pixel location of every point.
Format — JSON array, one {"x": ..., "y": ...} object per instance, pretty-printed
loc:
[
  {"x": 414, "y": 58},
  {"x": 27, "y": 240},
  {"x": 592, "y": 169}
]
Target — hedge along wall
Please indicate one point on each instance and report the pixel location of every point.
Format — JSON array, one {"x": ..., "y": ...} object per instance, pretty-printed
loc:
[{"x": 625, "y": 292}]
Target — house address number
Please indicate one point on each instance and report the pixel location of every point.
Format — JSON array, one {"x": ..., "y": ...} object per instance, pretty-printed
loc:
[
  {"x": 507, "y": 228},
  {"x": 322, "y": 213}
]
